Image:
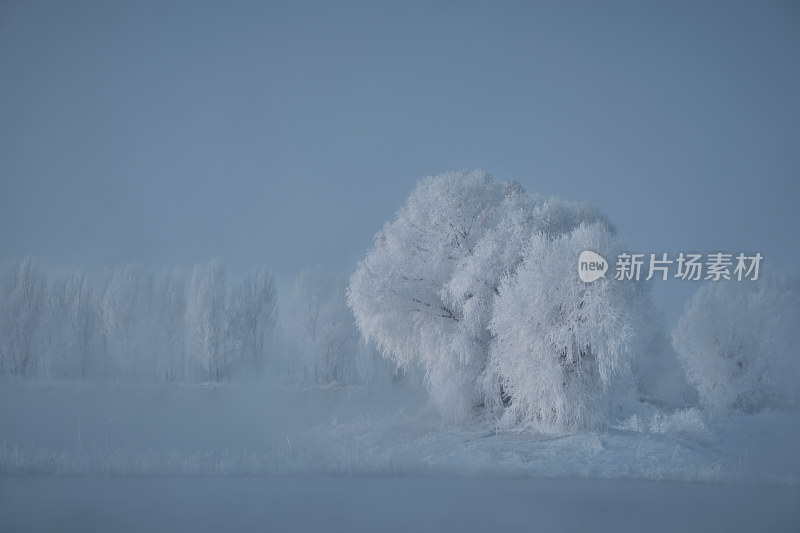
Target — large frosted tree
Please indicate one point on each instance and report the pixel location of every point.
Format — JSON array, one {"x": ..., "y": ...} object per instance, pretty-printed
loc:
[{"x": 429, "y": 289}]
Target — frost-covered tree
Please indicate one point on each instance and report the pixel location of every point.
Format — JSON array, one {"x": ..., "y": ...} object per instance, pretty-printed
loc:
[
  {"x": 170, "y": 326},
  {"x": 254, "y": 313},
  {"x": 430, "y": 288},
  {"x": 22, "y": 304},
  {"x": 425, "y": 292},
  {"x": 737, "y": 342},
  {"x": 124, "y": 313},
  {"x": 400, "y": 294},
  {"x": 561, "y": 345},
  {"x": 72, "y": 327},
  {"x": 321, "y": 326},
  {"x": 208, "y": 325}
]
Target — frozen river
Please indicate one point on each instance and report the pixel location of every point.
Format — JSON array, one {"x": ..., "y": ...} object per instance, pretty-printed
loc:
[{"x": 308, "y": 503}]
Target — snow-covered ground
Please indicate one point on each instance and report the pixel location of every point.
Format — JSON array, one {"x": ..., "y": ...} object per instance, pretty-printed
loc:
[
  {"x": 346, "y": 452},
  {"x": 84, "y": 428}
]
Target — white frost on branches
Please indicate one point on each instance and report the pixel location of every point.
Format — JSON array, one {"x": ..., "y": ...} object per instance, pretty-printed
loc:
[
  {"x": 443, "y": 288},
  {"x": 736, "y": 341}
]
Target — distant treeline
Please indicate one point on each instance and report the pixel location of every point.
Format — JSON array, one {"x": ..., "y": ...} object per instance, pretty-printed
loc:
[{"x": 174, "y": 326}]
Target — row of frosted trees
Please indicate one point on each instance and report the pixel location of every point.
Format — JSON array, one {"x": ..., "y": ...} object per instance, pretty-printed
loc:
[{"x": 171, "y": 326}]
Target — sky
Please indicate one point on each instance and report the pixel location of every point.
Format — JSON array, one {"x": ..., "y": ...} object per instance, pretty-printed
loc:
[{"x": 287, "y": 133}]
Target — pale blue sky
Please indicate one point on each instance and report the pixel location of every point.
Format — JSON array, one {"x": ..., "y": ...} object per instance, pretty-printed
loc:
[{"x": 287, "y": 133}]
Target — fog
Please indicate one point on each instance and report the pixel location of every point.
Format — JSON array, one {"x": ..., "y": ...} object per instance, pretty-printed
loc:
[
  {"x": 292, "y": 141},
  {"x": 286, "y": 135}
]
